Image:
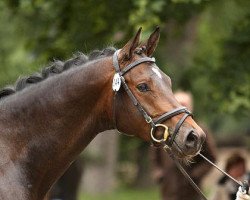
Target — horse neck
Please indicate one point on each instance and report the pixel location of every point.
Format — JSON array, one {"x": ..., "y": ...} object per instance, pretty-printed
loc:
[{"x": 56, "y": 119}]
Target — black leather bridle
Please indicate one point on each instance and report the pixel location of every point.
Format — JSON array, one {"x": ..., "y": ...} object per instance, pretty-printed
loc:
[
  {"x": 154, "y": 122},
  {"x": 167, "y": 140}
]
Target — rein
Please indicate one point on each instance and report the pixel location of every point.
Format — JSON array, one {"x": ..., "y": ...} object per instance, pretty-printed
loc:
[
  {"x": 244, "y": 186},
  {"x": 119, "y": 81},
  {"x": 185, "y": 174}
]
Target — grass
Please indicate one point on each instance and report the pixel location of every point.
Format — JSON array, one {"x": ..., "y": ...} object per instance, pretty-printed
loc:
[{"x": 124, "y": 194}]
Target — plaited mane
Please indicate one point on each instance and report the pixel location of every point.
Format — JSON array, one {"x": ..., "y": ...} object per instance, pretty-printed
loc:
[{"x": 56, "y": 67}]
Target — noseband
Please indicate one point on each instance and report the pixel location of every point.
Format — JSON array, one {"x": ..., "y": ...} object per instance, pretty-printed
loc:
[{"x": 119, "y": 80}]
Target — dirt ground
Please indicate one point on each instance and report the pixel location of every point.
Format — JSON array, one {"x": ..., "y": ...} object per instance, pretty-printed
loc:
[{"x": 210, "y": 181}]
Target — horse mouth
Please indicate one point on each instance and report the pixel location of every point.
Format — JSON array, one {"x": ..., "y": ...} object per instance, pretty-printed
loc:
[
  {"x": 176, "y": 147},
  {"x": 181, "y": 155},
  {"x": 187, "y": 143}
]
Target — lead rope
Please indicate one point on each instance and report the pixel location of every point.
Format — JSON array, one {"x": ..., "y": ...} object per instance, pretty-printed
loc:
[{"x": 244, "y": 186}]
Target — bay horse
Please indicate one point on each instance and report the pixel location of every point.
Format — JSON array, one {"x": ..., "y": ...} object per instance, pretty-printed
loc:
[{"x": 47, "y": 119}]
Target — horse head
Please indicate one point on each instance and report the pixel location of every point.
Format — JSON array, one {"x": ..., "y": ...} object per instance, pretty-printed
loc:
[{"x": 144, "y": 104}]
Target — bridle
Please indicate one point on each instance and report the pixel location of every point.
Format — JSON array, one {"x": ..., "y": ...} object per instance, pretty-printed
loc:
[
  {"x": 167, "y": 139},
  {"x": 119, "y": 80}
]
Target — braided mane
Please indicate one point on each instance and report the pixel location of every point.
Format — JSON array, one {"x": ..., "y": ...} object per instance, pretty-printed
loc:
[{"x": 56, "y": 67}]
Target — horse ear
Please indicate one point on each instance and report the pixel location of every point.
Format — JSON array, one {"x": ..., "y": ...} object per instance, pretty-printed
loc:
[
  {"x": 152, "y": 42},
  {"x": 128, "y": 49}
]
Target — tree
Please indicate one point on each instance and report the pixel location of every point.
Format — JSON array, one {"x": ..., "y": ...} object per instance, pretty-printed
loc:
[{"x": 219, "y": 72}]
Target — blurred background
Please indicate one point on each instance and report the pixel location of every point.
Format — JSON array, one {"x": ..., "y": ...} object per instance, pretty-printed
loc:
[{"x": 204, "y": 48}]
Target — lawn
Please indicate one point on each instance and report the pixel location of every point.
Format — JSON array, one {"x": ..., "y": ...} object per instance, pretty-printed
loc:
[{"x": 125, "y": 194}]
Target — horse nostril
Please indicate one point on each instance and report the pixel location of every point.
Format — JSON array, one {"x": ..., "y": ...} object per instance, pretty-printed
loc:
[{"x": 191, "y": 140}]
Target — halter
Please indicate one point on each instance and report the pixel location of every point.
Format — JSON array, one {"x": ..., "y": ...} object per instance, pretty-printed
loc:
[{"x": 119, "y": 80}]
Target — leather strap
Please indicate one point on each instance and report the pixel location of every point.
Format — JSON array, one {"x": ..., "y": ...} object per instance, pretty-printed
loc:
[
  {"x": 137, "y": 62},
  {"x": 177, "y": 128},
  {"x": 136, "y": 103},
  {"x": 171, "y": 114},
  {"x": 114, "y": 113}
]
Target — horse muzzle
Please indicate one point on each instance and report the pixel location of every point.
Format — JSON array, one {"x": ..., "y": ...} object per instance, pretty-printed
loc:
[{"x": 187, "y": 142}]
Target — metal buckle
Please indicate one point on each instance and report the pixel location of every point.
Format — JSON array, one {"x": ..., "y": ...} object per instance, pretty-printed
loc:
[
  {"x": 165, "y": 136},
  {"x": 148, "y": 120}
]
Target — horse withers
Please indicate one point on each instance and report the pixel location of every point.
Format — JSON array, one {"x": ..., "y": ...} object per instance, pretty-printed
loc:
[{"x": 52, "y": 118}]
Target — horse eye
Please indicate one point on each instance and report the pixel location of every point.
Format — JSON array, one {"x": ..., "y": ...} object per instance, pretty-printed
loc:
[{"x": 143, "y": 87}]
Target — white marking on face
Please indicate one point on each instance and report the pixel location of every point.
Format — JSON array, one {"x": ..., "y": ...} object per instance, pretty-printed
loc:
[{"x": 158, "y": 73}]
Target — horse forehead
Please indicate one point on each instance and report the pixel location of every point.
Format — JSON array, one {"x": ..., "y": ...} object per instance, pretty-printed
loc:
[{"x": 156, "y": 71}]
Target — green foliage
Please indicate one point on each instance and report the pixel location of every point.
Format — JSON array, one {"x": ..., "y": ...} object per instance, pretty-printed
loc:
[
  {"x": 34, "y": 32},
  {"x": 146, "y": 15},
  {"x": 220, "y": 73},
  {"x": 236, "y": 69},
  {"x": 187, "y": 1}
]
